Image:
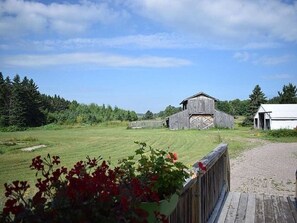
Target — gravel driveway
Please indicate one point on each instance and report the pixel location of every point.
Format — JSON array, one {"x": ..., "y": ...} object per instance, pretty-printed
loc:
[{"x": 268, "y": 169}]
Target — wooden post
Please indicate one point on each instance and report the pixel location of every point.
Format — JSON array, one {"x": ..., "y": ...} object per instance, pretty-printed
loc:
[{"x": 296, "y": 186}]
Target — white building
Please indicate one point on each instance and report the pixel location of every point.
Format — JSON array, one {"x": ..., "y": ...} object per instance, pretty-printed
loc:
[{"x": 276, "y": 116}]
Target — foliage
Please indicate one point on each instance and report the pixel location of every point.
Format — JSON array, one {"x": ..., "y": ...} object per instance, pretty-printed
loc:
[
  {"x": 156, "y": 169},
  {"x": 234, "y": 107},
  {"x": 282, "y": 133},
  {"x": 255, "y": 100},
  {"x": 5, "y": 92},
  {"x": 288, "y": 94},
  {"x": 148, "y": 115},
  {"x": 22, "y": 105},
  {"x": 169, "y": 110},
  {"x": 91, "y": 114}
]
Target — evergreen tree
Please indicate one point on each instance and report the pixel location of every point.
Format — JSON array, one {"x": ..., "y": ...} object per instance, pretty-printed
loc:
[
  {"x": 17, "y": 107},
  {"x": 5, "y": 89},
  {"x": 255, "y": 100},
  {"x": 33, "y": 103},
  {"x": 274, "y": 100},
  {"x": 288, "y": 95}
]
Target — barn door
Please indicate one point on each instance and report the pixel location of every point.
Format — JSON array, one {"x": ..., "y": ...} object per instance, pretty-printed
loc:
[{"x": 201, "y": 121}]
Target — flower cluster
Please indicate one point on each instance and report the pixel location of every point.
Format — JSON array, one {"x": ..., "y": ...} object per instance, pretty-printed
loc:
[
  {"x": 157, "y": 171},
  {"x": 92, "y": 191}
]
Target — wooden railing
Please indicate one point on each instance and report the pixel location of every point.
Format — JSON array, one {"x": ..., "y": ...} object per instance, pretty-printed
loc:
[{"x": 203, "y": 195}]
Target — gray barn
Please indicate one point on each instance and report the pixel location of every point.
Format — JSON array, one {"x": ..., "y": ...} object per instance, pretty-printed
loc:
[{"x": 199, "y": 113}]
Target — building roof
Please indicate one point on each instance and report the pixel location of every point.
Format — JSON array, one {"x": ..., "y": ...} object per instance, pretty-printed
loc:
[
  {"x": 280, "y": 111},
  {"x": 197, "y": 95}
]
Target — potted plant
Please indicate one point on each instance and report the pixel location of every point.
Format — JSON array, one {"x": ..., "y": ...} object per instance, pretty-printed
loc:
[{"x": 160, "y": 176}]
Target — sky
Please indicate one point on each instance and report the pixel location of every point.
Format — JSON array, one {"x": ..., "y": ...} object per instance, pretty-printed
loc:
[{"x": 147, "y": 54}]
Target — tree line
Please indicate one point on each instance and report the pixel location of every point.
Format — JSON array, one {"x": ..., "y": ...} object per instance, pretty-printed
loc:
[
  {"x": 22, "y": 105},
  {"x": 237, "y": 107},
  {"x": 249, "y": 107}
]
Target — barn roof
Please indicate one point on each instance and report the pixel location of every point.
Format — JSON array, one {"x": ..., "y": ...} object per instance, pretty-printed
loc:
[
  {"x": 197, "y": 95},
  {"x": 281, "y": 111}
]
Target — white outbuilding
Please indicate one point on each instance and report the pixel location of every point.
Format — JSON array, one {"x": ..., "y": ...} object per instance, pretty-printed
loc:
[{"x": 276, "y": 116}]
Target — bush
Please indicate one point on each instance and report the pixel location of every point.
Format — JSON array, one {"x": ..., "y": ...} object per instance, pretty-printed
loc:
[{"x": 283, "y": 133}]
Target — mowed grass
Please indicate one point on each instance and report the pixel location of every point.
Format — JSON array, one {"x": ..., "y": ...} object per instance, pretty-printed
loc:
[{"x": 74, "y": 144}]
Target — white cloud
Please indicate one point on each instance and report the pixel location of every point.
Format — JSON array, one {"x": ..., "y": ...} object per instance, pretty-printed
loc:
[
  {"x": 154, "y": 41},
  {"x": 278, "y": 77},
  {"x": 18, "y": 17},
  {"x": 242, "y": 56},
  {"x": 262, "y": 60},
  {"x": 97, "y": 59},
  {"x": 134, "y": 42},
  {"x": 274, "y": 60},
  {"x": 223, "y": 20}
]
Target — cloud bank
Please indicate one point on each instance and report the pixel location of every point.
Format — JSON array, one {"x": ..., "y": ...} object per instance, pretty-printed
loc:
[
  {"x": 248, "y": 21},
  {"x": 97, "y": 59},
  {"x": 225, "y": 19},
  {"x": 18, "y": 17}
]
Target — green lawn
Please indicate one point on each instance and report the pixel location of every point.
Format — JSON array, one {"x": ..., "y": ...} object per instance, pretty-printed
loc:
[{"x": 73, "y": 144}]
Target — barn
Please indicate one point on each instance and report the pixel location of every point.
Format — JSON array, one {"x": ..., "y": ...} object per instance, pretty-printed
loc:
[
  {"x": 276, "y": 116},
  {"x": 198, "y": 112}
]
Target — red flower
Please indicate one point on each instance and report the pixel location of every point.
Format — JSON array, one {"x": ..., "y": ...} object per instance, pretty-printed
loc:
[
  {"x": 172, "y": 157},
  {"x": 124, "y": 203},
  {"x": 42, "y": 185},
  {"x": 92, "y": 162},
  {"x": 12, "y": 207},
  {"x": 201, "y": 166},
  {"x": 38, "y": 199},
  {"x": 136, "y": 187},
  {"x": 56, "y": 160},
  {"x": 37, "y": 163}
]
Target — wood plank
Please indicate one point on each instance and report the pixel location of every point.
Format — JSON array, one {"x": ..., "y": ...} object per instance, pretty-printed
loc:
[
  {"x": 251, "y": 208},
  {"x": 278, "y": 216},
  {"x": 225, "y": 208},
  {"x": 231, "y": 215},
  {"x": 293, "y": 207},
  {"x": 259, "y": 213},
  {"x": 218, "y": 206},
  {"x": 241, "y": 212},
  {"x": 285, "y": 210},
  {"x": 268, "y": 209}
]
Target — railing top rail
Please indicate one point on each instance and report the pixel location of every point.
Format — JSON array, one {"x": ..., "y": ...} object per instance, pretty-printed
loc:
[
  {"x": 208, "y": 161},
  {"x": 211, "y": 158}
]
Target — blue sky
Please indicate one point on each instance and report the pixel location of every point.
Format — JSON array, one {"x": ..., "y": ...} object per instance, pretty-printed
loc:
[{"x": 148, "y": 54}]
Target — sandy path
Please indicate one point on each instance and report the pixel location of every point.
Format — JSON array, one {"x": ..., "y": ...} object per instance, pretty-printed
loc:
[{"x": 268, "y": 169}]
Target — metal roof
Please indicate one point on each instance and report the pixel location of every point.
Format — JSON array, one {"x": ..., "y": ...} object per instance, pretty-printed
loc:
[
  {"x": 283, "y": 111},
  {"x": 197, "y": 95}
]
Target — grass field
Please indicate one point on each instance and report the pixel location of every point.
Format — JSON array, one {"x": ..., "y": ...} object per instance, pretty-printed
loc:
[{"x": 75, "y": 143}]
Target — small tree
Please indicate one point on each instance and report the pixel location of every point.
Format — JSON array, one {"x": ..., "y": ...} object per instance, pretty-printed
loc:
[{"x": 148, "y": 115}]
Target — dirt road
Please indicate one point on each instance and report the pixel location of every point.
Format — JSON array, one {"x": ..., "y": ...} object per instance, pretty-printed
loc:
[{"x": 268, "y": 169}]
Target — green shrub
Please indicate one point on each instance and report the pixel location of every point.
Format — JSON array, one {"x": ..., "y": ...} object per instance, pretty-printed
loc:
[{"x": 283, "y": 133}]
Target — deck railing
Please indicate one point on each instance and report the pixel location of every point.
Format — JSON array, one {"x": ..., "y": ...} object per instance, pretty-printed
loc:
[{"x": 203, "y": 195}]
